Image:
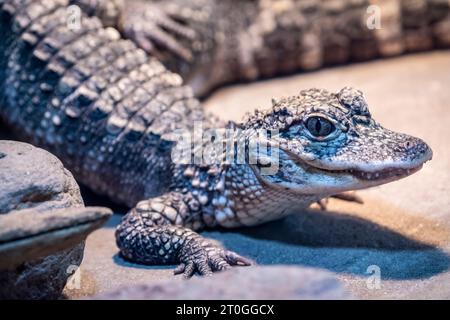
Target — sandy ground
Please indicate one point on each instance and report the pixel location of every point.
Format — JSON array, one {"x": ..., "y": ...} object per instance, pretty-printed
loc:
[{"x": 402, "y": 230}]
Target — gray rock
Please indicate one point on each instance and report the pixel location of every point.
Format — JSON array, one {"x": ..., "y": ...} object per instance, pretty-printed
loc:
[
  {"x": 31, "y": 177},
  {"x": 26, "y": 235},
  {"x": 43, "y": 278},
  {"x": 43, "y": 223},
  {"x": 259, "y": 282}
]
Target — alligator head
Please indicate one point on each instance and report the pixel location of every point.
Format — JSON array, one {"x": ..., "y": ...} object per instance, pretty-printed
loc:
[{"x": 326, "y": 143}]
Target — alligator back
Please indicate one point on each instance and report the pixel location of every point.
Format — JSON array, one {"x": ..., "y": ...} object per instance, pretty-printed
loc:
[{"x": 96, "y": 101}]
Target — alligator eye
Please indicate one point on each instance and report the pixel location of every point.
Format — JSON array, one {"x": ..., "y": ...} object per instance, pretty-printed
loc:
[{"x": 319, "y": 127}]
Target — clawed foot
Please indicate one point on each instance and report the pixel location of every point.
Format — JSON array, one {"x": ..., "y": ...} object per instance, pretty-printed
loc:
[
  {"x": 149, "y": 234},
  {"x": 206, "y": 258},
  {"x": 153, "y": 29},
  {"x": 346, "y": 196}
]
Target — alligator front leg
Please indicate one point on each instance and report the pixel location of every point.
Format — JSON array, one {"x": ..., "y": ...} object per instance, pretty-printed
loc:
[{"x": 154, "y": 233}]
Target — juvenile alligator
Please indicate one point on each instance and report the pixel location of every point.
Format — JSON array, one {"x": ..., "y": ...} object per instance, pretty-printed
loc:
[
  {"x": 112, "y": 114},
  {"x": 262, "y": 38}
]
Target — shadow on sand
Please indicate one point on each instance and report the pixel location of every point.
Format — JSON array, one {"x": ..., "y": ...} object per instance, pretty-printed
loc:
[
  {"x": 124, "y": 263},
  {"x": 338, "y": 242}
]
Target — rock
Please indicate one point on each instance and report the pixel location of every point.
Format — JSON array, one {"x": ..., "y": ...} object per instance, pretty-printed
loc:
[
  {"x": 43, "y": 223},
  {"x": 26, "y": 235},
  {"x": 259, "y": 282},
  {"x": 33, "y": 178},
  {"x": 43, "y": 278}
]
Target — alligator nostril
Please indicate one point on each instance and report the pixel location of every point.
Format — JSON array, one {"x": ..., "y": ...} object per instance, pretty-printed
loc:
[
  {"x": 410, "y": 144},
  {"x": 417, "y": 149}
]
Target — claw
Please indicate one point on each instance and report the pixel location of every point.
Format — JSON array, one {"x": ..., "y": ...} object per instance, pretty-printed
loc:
[
  {"x": 166, "y": 40},
  {"x": 323, "y": 203},
  {"x": 173, "y": 11},
  {"x": 189, "y": 270},
  {"x": 346, "y": 196},
  {"x": 179, "y": 269},
  {"x": 178, "y": 28},
  {"x": 237, "y": 260},
  {"x": 218, "y": 263},
  {"x": 203, "y": 268},
  {"x": 210, "y": 259},
  {"x": 154, "y": 29},
  {"x": 223, "y": 266},
  {"x": 144, "y": 43}
]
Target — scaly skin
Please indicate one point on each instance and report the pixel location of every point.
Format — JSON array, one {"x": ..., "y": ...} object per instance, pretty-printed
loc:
[
  {"x": 113, "y": 115},
  {"x": 253, "y": 39}
]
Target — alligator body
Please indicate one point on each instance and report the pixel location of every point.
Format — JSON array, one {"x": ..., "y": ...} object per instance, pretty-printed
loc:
[
  {"x": 115, "y": 115},
  {"x": 262, "y": 38}
]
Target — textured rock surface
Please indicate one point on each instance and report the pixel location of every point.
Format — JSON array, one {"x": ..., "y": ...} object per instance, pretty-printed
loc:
[
  {"x": 23, "y": 186},
  {"x": 275, "y": 282},
  {"x": 402, "y": 227},
  {"x": 43, "y": 278},
  {"x": 39, "y": 248},
  {"x": 27, "y": 234}
]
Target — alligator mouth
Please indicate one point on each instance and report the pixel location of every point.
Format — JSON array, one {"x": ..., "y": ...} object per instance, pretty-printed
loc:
[
  {"x": 379, "y": 175},
  {"x": 384, "y": 174}
]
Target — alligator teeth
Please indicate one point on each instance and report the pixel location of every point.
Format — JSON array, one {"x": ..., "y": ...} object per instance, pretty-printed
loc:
[{"x": 383, "y": 174}]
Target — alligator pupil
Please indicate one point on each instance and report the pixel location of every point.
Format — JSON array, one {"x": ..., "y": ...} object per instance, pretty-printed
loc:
[{"x": 318, "y": 126}]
